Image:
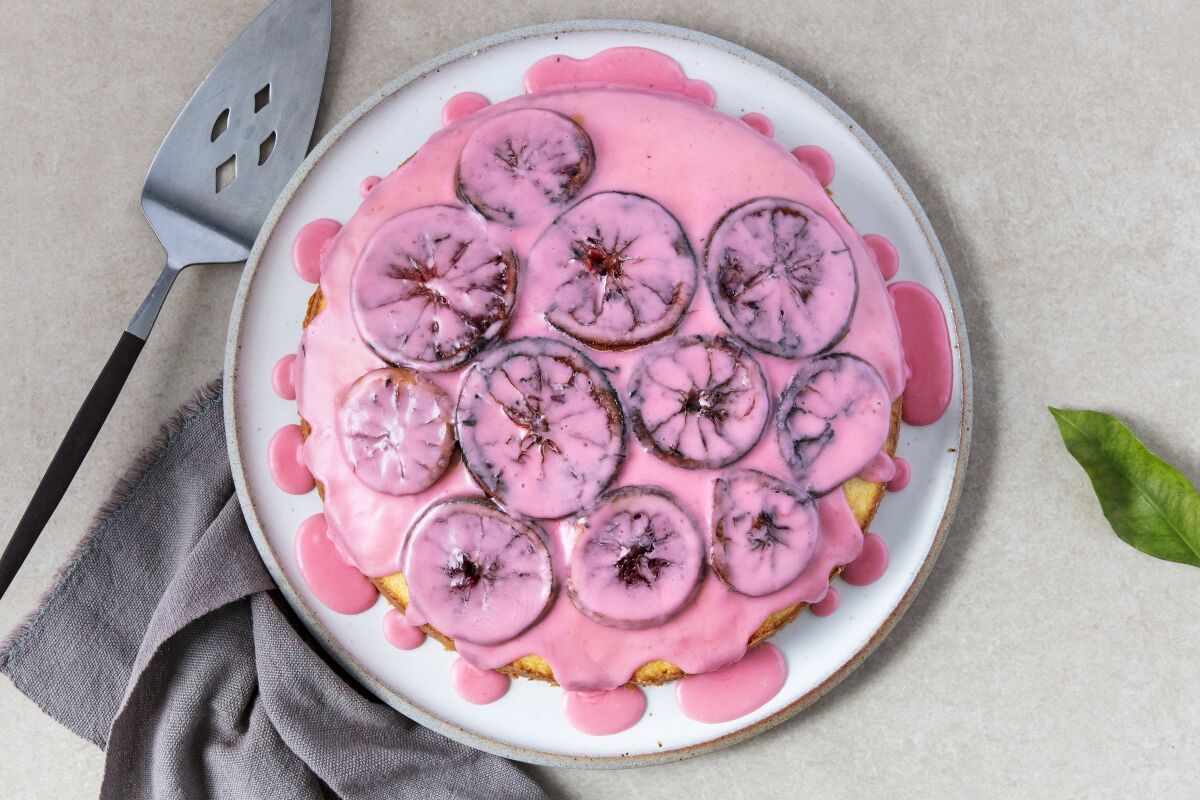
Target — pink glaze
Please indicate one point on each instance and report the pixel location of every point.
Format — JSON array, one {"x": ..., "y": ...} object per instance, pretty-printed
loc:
[
  {"x": 625, "y": 67},
  {"x": 884, "y": 254},
  {"x": 475, "y": 573},
  {"x": 735, "y": 690},
  {"x": 285, "y": 458},
  {"x": 827, "y": 605},
  {"x": 881, "y": 469},
  {"x": 760, "y": 123},
  {"x": 726, "y": 164},
  {"x": 764, "y": 532},
  {"x": 431, "y": 321},
  {"x": 310, "y": 245},
  {"x": 395, "y": 430},
  {"x": 339, "y": 586},
  {"x": 680, "y": 382},
  {"x": 573, "y": 403},
  {"x": 477, "y": 685},
  {"x": 651, "y": 588},
  {"x": 926, "y": 352},
  {"x": 870, "y": 565},
  {"x": 834, "y": 421},
  {"x": 283, "y": 377},
  {"x": 603, "y": 713},
  {"x": 368, "y": 184},
  {"x": 899, "y": 481},
  {"x": 658, "y": 270},
  {"x": 817, "y": 161},
  {"x": 799, "y": 310},
  {"x": 399, "y": 633},
  {"x": 463, "y": 104},
  {"x": 521, "y": 165}
]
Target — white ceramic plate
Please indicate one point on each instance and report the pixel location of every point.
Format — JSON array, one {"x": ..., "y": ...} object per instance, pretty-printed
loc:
[{"x": 527, "y": 723}]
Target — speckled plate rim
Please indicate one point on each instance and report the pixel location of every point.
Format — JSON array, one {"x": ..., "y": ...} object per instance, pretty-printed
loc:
[{"x": 432, "y": 721}]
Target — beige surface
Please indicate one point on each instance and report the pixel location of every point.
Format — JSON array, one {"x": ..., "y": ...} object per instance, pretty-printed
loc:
[{"x": 1058, "y": 154}]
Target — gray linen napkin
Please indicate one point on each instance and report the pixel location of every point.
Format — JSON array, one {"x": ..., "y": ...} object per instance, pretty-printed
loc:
[{"x": 165, "y": 642}]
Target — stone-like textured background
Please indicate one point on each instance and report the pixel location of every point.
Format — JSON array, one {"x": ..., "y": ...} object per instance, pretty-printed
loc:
[{"x": 1057, "y": 152}]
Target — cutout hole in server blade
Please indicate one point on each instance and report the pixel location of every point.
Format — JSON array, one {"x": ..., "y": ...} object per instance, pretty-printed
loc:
[{"x": 226, "y": 173}]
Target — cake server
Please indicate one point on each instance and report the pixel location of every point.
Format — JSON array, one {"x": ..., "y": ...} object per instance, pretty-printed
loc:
[{"x": 209, "y": 190}]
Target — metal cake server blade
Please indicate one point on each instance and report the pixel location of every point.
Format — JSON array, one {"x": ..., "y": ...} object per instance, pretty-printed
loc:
[{"x": 215, "y": 178}]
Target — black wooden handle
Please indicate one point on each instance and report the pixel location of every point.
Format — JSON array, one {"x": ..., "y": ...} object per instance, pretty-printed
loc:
[{"x": 70, "y": 455}]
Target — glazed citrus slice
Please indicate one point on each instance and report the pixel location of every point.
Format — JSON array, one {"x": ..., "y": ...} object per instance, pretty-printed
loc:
[
  {"x": 540, "y": 428},
  {"x": 623, "y": 270},
  {"x": 636, "y": 559},
  {"x": 833, "y": 419},
  {"x": 431, "y": 288},
  {"x": 782, "y": 277},
  {"x": 396, "y": 431},
  {"x": 764, "y": 531},
  {"x": 522, "y": 163},
  {"x": 699, "y": 401},
  {"x": 477, "y": 574}
]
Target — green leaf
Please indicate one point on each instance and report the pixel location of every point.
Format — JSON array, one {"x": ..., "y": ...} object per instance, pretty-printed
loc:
[{"x": 1149, "y": 503}]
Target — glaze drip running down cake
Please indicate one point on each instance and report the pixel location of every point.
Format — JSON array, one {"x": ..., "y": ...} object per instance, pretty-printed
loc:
[{"x": 600, "y": 387}]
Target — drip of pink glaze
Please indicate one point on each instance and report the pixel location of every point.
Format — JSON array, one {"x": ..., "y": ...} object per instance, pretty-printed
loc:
[
  {"x": 339, "y": 586},
  {"x": 368, "y": 184},
  {"x": 817, "y": 161},
  {"x": 285, "y": 458},
  {"x": 760, "y": 122},
  {"x": 734, "y": 690},
  {"x": 463, "y": 104},
  {"x": 885, "y": 255},
  {"x": 604, "y": 712},
  {"x": 283, "y": 377},
  {"x": 310, "y": 245},
  {"x": 899, "y": 481},
  {"x": 926, "y": 352},
  {"x": 399, "y": 633},
  {"x": 475, "y": 684},
  {"x": 870, "y": 564},
  {"x": 827, "y": 605},
  {"x": 629, "y": 67},
  {"x": 881, "y": 469}
]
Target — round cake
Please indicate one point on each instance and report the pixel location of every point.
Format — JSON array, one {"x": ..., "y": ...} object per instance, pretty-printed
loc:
[{"x": 599, "y": 386}]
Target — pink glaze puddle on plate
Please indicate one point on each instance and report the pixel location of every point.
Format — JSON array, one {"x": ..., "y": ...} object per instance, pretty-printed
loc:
[
  {"x": 885, "y": 255},
  {"x": 604, "y": 712},
  {"x": 463, "y": 104},
  {"x": 368, "y": 184},
  {"x": 827, "y": 605},
  {"x": 926, "y": 351},
  {"x": 339, "y": 586},
  {"x": 285, "y": 459},
  {"x": 630, "y": 67},
  {"x": 399, "y": 633},
  {"x": 817, "y": 160},
  {"x": 283, "y": 377},
  {"x": 735, "y": 690},
  {"x": 870, "y": 564},
  {"x": 309, "y": 246},
  {"x": 477, "y": 685},
  {"x": 899, "y": 481},
  {"x": 760, "y": 122}
]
